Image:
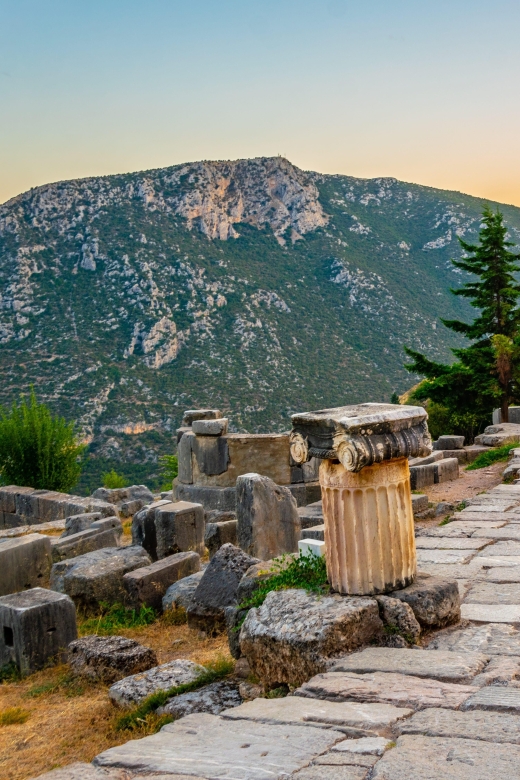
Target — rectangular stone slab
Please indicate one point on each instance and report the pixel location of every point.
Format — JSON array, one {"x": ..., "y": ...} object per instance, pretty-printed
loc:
[
  {"x": 331, "y": 773},
  {"x": 295, "y": 710},
  {"x": 438, "y": 758},
  {"x": 495, "y": 697},
  {"x": 493, "y": 593},
  {"x": 492, "y": 639},
  {"x": 444, "y": 556},
  {"x": 482, "y": 517},
  {"x": 503, "y": 574},
  {"x": 509, "y": 533},
  {"x": 450, "y": 543},
  {"x": 502, "y": 550},
  {"x": 453, "y": 571},
  {"x": 487, "y": 561},
  {"x": 435, "y": 664},
  {"x": 212, "y": 747},
  {"x": 491, "y": 613},
  {"x": 474, "y": 724},
  {"x": 401, "y": 690}
]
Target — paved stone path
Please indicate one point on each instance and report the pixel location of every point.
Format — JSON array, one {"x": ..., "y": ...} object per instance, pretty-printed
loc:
[{"x": 448, "y": 711}]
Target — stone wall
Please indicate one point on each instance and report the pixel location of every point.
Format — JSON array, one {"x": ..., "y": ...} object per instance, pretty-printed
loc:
[{"x": 26, "y": 506}]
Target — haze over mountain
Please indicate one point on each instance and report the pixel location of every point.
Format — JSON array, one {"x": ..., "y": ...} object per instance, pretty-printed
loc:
[{"x": 251, "y": 286}]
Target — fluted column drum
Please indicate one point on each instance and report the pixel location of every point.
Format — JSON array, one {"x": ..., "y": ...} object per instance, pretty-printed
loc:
[{"x": 369, "y": 529}]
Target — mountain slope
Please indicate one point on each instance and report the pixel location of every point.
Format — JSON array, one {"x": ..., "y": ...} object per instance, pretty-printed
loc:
[{"x": 250, "y": 285}]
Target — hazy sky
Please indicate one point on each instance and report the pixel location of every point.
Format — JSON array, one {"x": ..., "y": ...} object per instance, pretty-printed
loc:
[{"x": 423, "y": 90}]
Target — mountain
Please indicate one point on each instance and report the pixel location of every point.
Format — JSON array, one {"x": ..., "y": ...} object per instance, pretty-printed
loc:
[{"x": 251, "y": 286}]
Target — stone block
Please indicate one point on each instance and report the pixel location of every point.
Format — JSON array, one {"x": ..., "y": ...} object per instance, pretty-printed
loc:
[
  {"x": 148, "y": 585},
  {"x": 443, "y": 556},
  {"x": 473, "y": 451},
  {"x": 398, "y": 616},
  {"x": 143, "y": 527},
  {"x": 308, "y": 493},
  {"x": 491, "y": 613},
  {"x": 180, "y": 594},
  {"x": 331, "y": 772},
  {"x": 8, "y": 498},
  {"x": 211, "y": 498},
  {"x": 400, "y": 690},
  {"x": 311, "y": 470},
  {"x": 212, "y": 698},
  {"x": 12, "y": 520},
  {"x": 311, "y": 547},
  {"x": 316, "y": 532},
  {"x": 493, "y": 639},
  {"x": 499, "y": 698},
  {"x": 97, "y": 576},
  {"x": 501, "y": 550},
  {"x": 432, "y": 458},
  {"x": 49, "y": 506},
  {"x": 450, "y": 542},
  {"x": 77, "y": 523},
  {"x": 25, "y": 562},
  {"x": 311, "y": 515},
  {"x": 36, "y": 627},
  {"x": 268, "y": 522},
  {"x": 460, "y": 455},
  {"x": 179, "y": 433},
  {"x": 130, "y": 507},
  {"x": 446, "y": 470},
  {"x": 493, "y": 593},
  {"x": 449, "y": 443},
  {"x": 214, "y": 747},
  {"x": 435, "y": 602},
  {"x": 447, "y": 666},
  {"x": 210, "y": 427},
  {"x": 294, "y": 633},
  {"x": 212, "y": 454},
  {"x": 133, "y": 689},
  {"x": 488, "y": 726},
  {"x": 254, "y": 575},
  {"x": 217, "y": 534},
  {"x": 109, "y": 658},
  {"x": 108, "y": 523},
  {"x": 503, "y": 574},
  {"x": 179, "y": 527},
  {"x": 424, "y": 758},
  {"x": 218, "y": 588},
  {"x": 200, "y": 414},
  {"x": 184, "y": 453},
  {"x": 419, "y": 503},
  {"x": 80, "y": 771},
  {"x": 83, "y": 542},
  {"x": 422, "y": 476}
]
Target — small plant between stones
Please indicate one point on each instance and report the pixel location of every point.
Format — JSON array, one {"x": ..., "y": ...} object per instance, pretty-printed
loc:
[
  {"x": 114, "y": 617},
  {"x": 308, "y": 572}
]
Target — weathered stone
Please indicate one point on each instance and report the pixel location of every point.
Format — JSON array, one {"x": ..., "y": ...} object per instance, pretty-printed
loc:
[
  {"x": 81, "y": 771},
  {"x": 211, "y": 698},
  {"x": 221, "y": 499},
  {"x": 460, "y": 455},
  {"x": 450, "y": 543},
  {"x": 452, "y": 571},
  {"x": 77, "y": 523},
  {"x": 184, "y": 453},
  {"x": 108, "y": 523},
  {"x": 257, "y": 574},
  {"x": 213, "y": 747},
  {"x": 509, "y": 533},
  {"x": 143, "y": 527},
  {"x": 180, "y": 594},
  {"x": 234, "y": 618},
  {"x": 331, "y": 772},
  {"x": 212, "y": 455},
  {"x": 25, "y": 562},
  {"x": 475, "y": 724},
  {"x": 493, "y": 593},
  {"x": 435, "y": 602},
  {"x": 217, "y": 534},
  {"x": 308, "y": 493},
  {"x": 426, "y": 461},
  {"x": 398, "y": 615},
  {"x": 501, "y": 670},
  {"x": 37, "y": 627},
  {"x": 291, "y": 636},
  {"x": 499, "y": 435},
  {"x": 83, "y": 542},
  {"x": 97, "y": 576},
  {"x": 268, "y": 522},
  {"x": 120, "y": 495},
  {"x": 449, "y": 443},
  {"x": 109, "y": 658},
  {"x": 23, "y": 530},
  {"x": 489, "y": 562},
  {"x": 502, "y": 550},
  {"x": 422, "y": 476},
  {"x": 435, "y": 664},
  {"x": 179, "y": 528},
  {"x": 130, "y": 507},
  {"x": 200, "y": 414},
  {"x": 317, "y": 532},
  {"x": 311, "y": 515},
  {"x": 132, "y": 690},
  {"x": 491, "y": 639},
  {"x": 473, "y": 451},
  {"x": 372, "y": 746},
  {"x": 401, "y": 690},
  {"x": 491, "y": 613},
  {"x": 349, "y": 717},
  {"x": 502, "y": 574},
  {"x": 446, "y": 470},
  {"x": 419, "y": 502},
  {"x": 425, "y": 758},
  {"x": 444, "y": 556},
  {"x": 495, "y": 697},
  {"x": 345, "y": 759},
  {"x": 148, "y": 585},
  {"x": 210, "y": 427},
  {"x": 218, "y": 588}
]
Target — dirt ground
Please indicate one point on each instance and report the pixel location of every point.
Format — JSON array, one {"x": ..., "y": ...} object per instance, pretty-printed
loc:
[{"x": 468, "y": 485}]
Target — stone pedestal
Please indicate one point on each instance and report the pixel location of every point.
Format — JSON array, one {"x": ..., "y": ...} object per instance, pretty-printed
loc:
[
  {"x": 369, "y": 531},
  {"x": 365, "y": 485}
]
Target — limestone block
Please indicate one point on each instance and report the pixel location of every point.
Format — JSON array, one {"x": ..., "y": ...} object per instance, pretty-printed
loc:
[
  {"x": 211, "y": 698},
  {"x": 293, "y": 634},
  {"x": 425, "y": 556},
  {"x": 433, "y": 458},
  {"x": 503, "y": 574},
  {"x": 97, "y": 576},
  {"x": 217, "y": 534},
  {"x": 501, "y": 670},
  {"x": 316, "y": 532},
  {"x": 473, "y": 451},
  {"x": 399, "y": 616},
  {"x": 493, "y": 593},
  {"x": 460, "y": 455},
  {"x": 77, "y": 523},
  {"x": 130, "y": 507},
  {"x": 179, "y": 433},
  {"x": 306, "y": 493},
  {"x": 220, "y": 746},
  {"x": 12, "y": 520},
  {"x": 474, "y": 724},
  {"x": 491, "y": 613},
  {"x": 8, "y": 497},
  {"x": 498, "y": 435},
  {"x": 331, "y": 772},
  {"x": 133, "y": 689},
  {"x": 268, "y": 522},
  {"x": 212, "y": 455},
  {"x": 210, "y": 427},
  {"x": 37, "y": 627},
  {"x": 369, "y": 527},
  {"x": 447, "y": 666},
  {"x": 446, "y": 470},
  {"x": 263, "y": 453},
  {"x": 83, "y": 542},
  {"x": 419, "y": 503},
  {"x": 80, "y": 771},
  {"x": 501, "y": 550},
  {"x": 200, "y": 414},
  {"x": 25, "y": 562},
  {"x": 449, "y": 443},
  {"x": 143, "y": 527},
  {"x": 221, "y": 499},
  {"x": 422, "y": 476},
  {"x": 184, "y": 452},
  {"x": 435, "y": 602},
  {"x": 180, "y": 594},
  {"x": 218, "y": 588},
  {"x": 148, "y": 585},
  {"x": 372, "y": 746},
  {"x": 424, "y": 758},
  {"x": 179, "y": 527},
  {"x": 450, "y": 542},
  {"x": 253, "y": 577},
  {"x": 109, "y": 658},
  {"x": 495, "y": 697},
  {"x": 108, "y": 523},
  {"x": 492, "y": 639},
  {"x": 311, "y": 515}
]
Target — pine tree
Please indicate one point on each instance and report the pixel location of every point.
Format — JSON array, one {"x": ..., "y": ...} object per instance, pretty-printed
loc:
[{"x": 483, "y": 374}]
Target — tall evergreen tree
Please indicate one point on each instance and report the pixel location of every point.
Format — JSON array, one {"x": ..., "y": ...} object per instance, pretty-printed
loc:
[{"x": 483, "y": 374}]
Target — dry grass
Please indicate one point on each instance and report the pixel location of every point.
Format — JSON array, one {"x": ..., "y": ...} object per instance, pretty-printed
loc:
[{"x": 70, "y": 721}]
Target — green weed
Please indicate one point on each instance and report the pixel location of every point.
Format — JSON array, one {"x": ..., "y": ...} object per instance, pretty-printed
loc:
[
  {"x": 494, "y": 455},
  {"x": 10, "y": 673},
  {"x": 113, "y": 617},
  {"x": 305, "y": 571},
  {"x": 447, "y": 519},
  {"x": 112, "y": 480},
  {"x": 67, "y": 684},
  {"x": 13, "y": 715}
]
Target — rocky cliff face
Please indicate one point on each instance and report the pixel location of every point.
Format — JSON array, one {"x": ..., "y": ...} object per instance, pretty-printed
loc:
[{"x": 249, "y": 285}]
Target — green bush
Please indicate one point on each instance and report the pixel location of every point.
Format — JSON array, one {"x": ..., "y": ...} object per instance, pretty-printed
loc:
[
  {"x": 305, "y": 571},
  {"x": 38, "y": 449},
  {"x": 492, "y": 456},
  {"x": 169, "y": 468},
  {"x": 112, "y": 480}
]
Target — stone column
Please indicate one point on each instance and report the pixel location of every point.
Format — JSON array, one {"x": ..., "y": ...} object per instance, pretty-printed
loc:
[{"x": 365, "y": 482}]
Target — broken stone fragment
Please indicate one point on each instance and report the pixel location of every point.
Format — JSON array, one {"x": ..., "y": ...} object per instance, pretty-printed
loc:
[
  {"x": 109, "y": 658},
  {"x": 398, "y": 616},
  {"x": 435, "y": 602},
  {"x": 211, "y": 698},
  {"x": 132, "y": 690}
]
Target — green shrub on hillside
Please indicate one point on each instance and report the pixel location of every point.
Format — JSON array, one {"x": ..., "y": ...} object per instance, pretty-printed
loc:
[
  {"x": 112, "y": 480},
  {"x": 38, "y": 449},
  {"x": 169, "y": 468},
  {"x": 492, "y": 456}
]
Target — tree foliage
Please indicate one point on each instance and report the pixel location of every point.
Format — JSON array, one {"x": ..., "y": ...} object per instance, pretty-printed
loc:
[
  {"x": 483, "y": 374},
  {"x": 37, "y": 448}
]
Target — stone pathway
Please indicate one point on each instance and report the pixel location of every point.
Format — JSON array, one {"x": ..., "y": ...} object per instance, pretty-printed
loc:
[{"x": 449, "y": 711}]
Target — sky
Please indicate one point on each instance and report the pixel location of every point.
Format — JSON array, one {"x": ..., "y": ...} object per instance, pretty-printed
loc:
[{"x": 425, "y": 91}]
